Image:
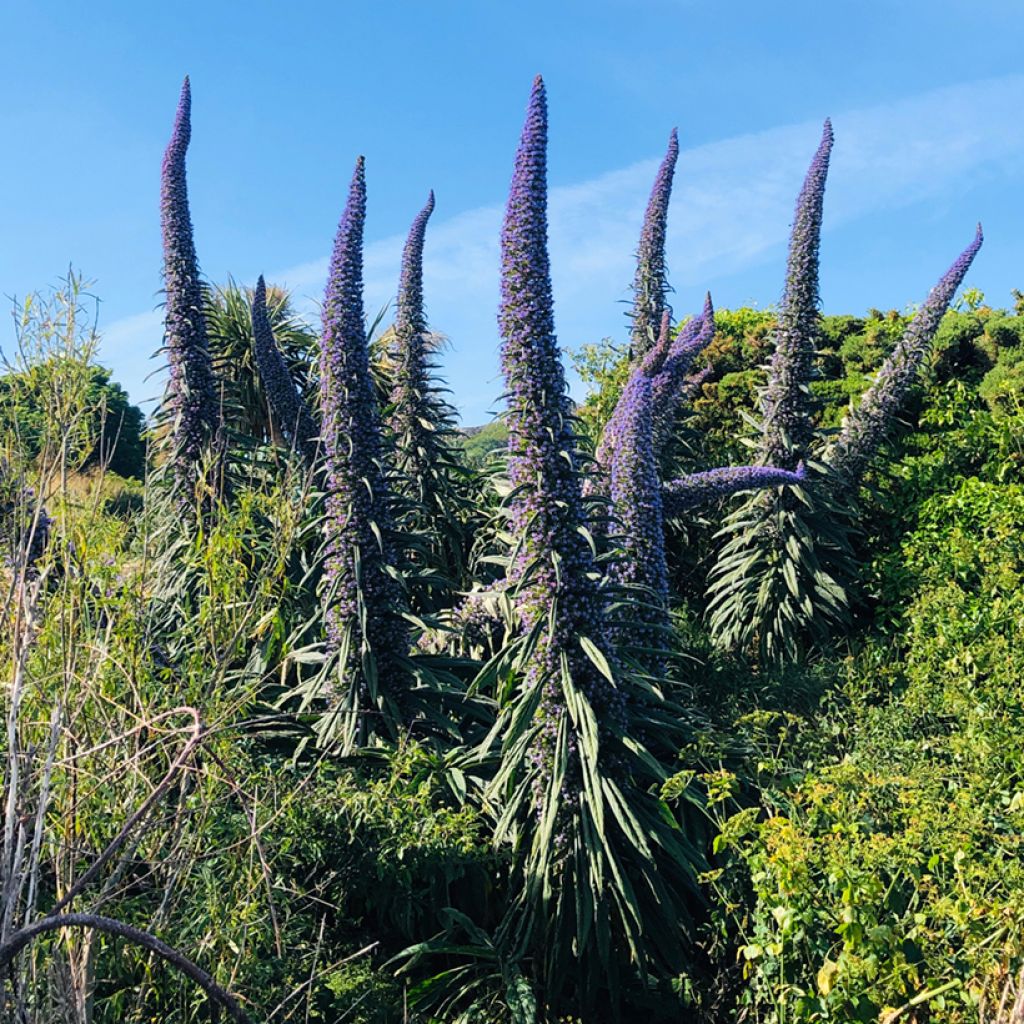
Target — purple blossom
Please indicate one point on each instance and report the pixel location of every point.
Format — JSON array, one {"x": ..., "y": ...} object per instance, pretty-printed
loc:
[
  {"x": 698, "y": 489},
  {"x": 636, "y": 493},
  {"x": 666, "y": 366},
  {"x": 191, "y": 397},
  {"x": 293, "y": 417},
  {"x": 788, "y": 430},
  {"x": 866, "y": 427},
  {"x": 668, "y": 389},
  {"x": 553, "y": 573},
  {"x": 361, "y": 599},
  {"x": 650, "y": 285}
]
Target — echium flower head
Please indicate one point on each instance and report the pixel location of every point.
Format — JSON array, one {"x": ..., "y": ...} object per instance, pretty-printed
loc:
[
  {"x": 411, "y": 316},
  {"x": 293, "y": 417},
  {"x": 650, "y": 285},
  {"x": 358, "y": 513},
  {"x": 636, "y": 494},
  {"x": 554, "y": 571},
  {"x": 787, "y": 429},
  {"x": 411, "y": 392},
  {"x": 866, "y": 427},
  {"x": 668, "y": 390},
  {"x": 666, "y": 366},
  {"x": 698, "y": 489},
  {"x": 191, "y": 398}
]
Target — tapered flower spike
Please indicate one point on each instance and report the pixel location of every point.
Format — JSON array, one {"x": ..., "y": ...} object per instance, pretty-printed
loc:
[
  {"x": 650, "y": 285},
  {"x": 411, "y": 316},
  {"x": 554, "y": 571},
  {"x": 362, "y": 600},
  {"x": 699, "y": 489},
  {"x": 788, "y": 429},
  {"x": 866, "y": 427},
  {"x": 668, "y": 385},
  {"x": 666, "y": 365},
  {"x": 411, "y": 393},
  {"x": 191, "y": 397},
  {"x": 636, "y": 494},
  {"x": 290, "y": 411}
]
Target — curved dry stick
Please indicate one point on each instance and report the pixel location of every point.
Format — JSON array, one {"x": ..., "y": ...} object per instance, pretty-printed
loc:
[
  {"x": 20, "y": 939},
  {"x": 144, "y": 808}
]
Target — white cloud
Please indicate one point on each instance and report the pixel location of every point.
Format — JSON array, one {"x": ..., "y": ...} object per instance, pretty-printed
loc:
[{"x": 731, "y": 208}]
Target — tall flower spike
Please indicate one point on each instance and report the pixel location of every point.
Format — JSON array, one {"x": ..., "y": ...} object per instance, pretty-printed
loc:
[
  {"x": 865, "y": 428},
  {"x": 636, "y": 493},
  {"x": 697, "y": 489},
  {"x": 554, "y": 570},
  {"x": 650, "y": 285},
  {"x": 787, "y": 430},
  {"x": 191, "y": 397},
  {"x": 290, "y": 411},
  {"x": 666, "y": 365},
  {"x": 411, "y": 395},
  {"x": 362, "y": 600}
]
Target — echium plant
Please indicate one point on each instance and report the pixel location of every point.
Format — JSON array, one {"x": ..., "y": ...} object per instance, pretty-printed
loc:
[
  {"x": 865, "y": 428},
  {"x": 784, "y": 577},
  {"x": 289, "y": 410},
  {"x": 640, "y": 504},
  {"x": 362, "y": 601},
  {"x": 423, "y": 438},
  {"x": 191, "y": 403},
  {"x": 650, "y": 285},
  {"x": 776, "y": 582},
  {"x": 573, "y": 788}
]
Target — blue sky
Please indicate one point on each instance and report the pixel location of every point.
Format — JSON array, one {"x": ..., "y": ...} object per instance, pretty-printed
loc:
[{"x": 925, "y": 98}]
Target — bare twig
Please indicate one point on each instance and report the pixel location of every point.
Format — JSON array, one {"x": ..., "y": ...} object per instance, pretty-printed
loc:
[{"x": 24, "y": 936}]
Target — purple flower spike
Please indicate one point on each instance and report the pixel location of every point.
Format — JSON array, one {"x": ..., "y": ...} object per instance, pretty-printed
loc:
[
  {"x": 636, "y": 493},
  {"x": 293, "y": 417},
  {"x": 411, "y": 392},
  {"x": 411, "y": 317},
  {"x": 553, "y": 574},
  {"x": 786, "y": 405},
  {"x": 866, "y": 427},
  {"x": 666, "y": 365},
  {"x": 191, "y": 396},
  {"x": 650, "y": 286},
  {"x": 700, "y": 489},
  {"x": 362, "y": 599},
  {"x": 668, "y": 386}
]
